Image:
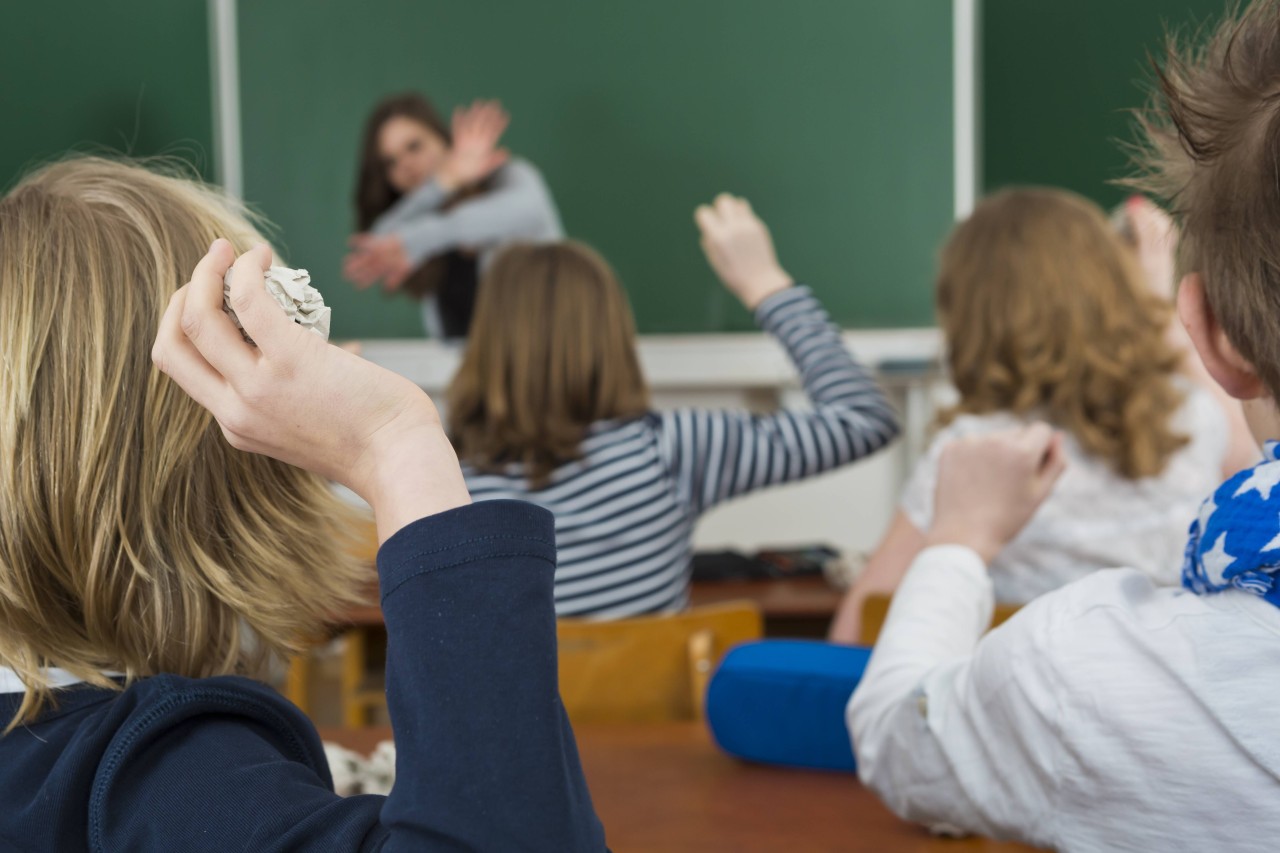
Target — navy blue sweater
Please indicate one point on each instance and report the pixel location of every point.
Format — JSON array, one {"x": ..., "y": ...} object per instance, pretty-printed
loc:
[{"x": 486, "y": 759}]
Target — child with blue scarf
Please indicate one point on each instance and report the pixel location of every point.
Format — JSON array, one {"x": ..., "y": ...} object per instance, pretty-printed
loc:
[{"x": 1114, "y": 714}]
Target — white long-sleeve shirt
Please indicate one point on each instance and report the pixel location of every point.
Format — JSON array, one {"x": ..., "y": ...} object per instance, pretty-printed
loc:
[{"x": 1111, "y": 714}]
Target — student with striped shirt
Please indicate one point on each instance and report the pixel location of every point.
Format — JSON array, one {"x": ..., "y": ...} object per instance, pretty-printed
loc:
[{"x": 549, "y": 406}]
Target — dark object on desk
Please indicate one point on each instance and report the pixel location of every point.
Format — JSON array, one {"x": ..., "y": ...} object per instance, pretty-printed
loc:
[
  {"x": 765, "y": 565},
  {"x": 710, "y": 566}
]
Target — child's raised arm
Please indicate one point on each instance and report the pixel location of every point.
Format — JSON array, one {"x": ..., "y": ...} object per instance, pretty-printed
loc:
[
  {"x": 486, "y": 757},
  {"x": 297, "y": 399},
  {"x": 938, "y": 718},
  {"x": 717, "y": 455}
]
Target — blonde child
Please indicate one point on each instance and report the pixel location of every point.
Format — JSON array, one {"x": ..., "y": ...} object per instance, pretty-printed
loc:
[{"x": 152, "y": 551}]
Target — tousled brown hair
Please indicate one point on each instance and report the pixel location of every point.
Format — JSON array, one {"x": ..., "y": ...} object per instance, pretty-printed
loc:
[
  {"x": 1210, "y": 148},
  {"x": 551, "y": 351},
  {"x": 1045, "y": 312},
  {"x": 133, "y": 538}
]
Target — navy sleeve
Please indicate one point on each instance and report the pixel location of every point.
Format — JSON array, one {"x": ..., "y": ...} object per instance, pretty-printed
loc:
[{"x": 486, "y": 758}]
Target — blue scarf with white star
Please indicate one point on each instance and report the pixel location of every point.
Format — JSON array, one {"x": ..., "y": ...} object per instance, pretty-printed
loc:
[{"x": 1234, "y": 542}]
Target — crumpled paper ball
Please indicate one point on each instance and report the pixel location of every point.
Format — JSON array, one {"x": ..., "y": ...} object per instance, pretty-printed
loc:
[
  {"x": 380, "y": 769},
  {"x": 293, "y": 292},
  {"x": 345, "y": 767},
  {"x": 354, "y": 774}
]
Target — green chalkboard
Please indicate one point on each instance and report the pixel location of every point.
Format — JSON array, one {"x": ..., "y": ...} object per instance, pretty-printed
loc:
[
  {"x": 833, "y": 117},
  {"x": 1059, "y": 80},
  {"x": 128, "y": 76}
]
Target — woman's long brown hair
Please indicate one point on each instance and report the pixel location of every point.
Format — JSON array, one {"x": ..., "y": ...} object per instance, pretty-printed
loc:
[{"x": 374, "y": 193}]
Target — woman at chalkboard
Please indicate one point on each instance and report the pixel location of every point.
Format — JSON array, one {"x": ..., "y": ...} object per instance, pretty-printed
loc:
[
  {"x": 433, "y": 203},
  {"x": 549, "y": 406}
]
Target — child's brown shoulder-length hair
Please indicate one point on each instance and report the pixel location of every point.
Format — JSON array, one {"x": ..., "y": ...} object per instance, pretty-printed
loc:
[
  {"x": 1045, "y": 312},
  {"x": 551, "y": 351}
]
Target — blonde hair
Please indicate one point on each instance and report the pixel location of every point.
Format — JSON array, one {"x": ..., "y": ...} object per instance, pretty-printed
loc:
[
  {"x": 551, "y": 351},
  {"x": 1211, "y": 149},
  {"x": 1045, "y": 312},
  {"x": 133, "y": 538}
]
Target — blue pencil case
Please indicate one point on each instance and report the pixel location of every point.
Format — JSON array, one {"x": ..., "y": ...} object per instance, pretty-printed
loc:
[{"x": 783, "y": 701}]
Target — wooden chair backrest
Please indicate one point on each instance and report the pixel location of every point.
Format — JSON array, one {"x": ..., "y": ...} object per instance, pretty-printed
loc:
[
  {"x": 876, "y": 608},
  {"x": 649, "y": 668}
]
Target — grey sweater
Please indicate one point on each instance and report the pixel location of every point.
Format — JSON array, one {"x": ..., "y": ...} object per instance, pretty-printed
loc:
[{"x": 518, "y": 206}]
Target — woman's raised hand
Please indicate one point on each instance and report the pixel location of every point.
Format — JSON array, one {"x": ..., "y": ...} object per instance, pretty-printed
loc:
[
  {"x": 298, "y": 399},
  {"x": 375, "y": 258},
  {"x": 474, "y": 154}
]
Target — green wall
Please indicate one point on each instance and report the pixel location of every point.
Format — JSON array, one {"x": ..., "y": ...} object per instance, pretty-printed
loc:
[
  {"x": 127, "y": 76},
  {"x": 1058, "y": 81},
  {"x": 833, "y": 117}
]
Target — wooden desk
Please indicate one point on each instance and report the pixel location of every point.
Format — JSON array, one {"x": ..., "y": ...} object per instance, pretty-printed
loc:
[
  {"x": 665, "y": 788},
  {"x": 807, "y": 601},
  {"x": 796, "y": 607}
]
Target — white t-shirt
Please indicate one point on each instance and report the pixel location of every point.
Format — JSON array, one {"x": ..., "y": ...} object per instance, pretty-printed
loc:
[
  {"x": 1110, "y": 715},
  {"x": 1095, "y": 519}
]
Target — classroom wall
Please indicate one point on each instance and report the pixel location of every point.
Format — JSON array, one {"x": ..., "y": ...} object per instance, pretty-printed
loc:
[
  {"x": 127, "y": 76},
  {"x": 1059, "y": 80}
]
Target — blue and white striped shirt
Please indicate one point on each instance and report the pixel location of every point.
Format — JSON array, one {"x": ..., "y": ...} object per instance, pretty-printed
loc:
[{"x": 625, "y": 511}]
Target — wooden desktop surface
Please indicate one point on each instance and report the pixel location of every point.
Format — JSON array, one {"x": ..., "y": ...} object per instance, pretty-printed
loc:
[
  {"x": 809, "y": 597},
  {"x": 665, "y": 788},
  {"x": 803, "y": 598}
]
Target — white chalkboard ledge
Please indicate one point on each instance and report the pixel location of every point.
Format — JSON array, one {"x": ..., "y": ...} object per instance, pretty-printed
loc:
[{"x": 714, "y": 362}]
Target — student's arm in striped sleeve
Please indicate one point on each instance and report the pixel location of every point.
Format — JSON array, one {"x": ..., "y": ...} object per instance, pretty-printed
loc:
[{"x": 717, "y": 455}]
